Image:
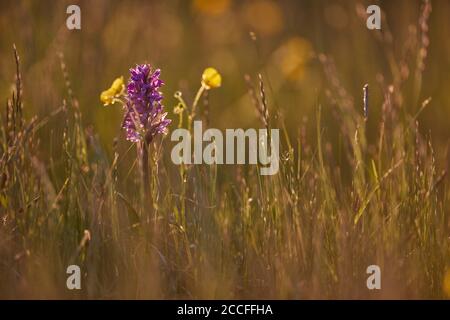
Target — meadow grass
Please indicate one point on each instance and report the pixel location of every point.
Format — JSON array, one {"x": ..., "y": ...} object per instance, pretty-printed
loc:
[{"x": 219, "y": 231}]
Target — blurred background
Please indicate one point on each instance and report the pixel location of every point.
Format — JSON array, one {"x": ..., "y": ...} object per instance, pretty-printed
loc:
[{"x": 182, "y": 37}]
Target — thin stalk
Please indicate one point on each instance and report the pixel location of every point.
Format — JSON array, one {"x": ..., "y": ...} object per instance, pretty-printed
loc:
[
  {"x": 194, "y": 105},
  {"x": 145, "y": 175}
]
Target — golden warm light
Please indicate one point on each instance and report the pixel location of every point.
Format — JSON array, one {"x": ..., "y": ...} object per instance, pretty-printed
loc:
[
  {"x": 251, "y": 149},
  {"x": 293, "y": 56},
  {"x": 264, "y": 16},
  {"x": 211, "y": 7}
]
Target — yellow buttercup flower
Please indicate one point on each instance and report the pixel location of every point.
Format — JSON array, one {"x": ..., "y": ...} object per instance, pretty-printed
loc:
[
  {"x": 211, "y": 78},
  {"x": 118, "y": 85},
  {"x": 107, "y": 97},
  {"x": 112, "y": 94}
]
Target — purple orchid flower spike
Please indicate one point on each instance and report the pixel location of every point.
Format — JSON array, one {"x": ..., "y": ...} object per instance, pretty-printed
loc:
[{"x": 144, "y": 113}]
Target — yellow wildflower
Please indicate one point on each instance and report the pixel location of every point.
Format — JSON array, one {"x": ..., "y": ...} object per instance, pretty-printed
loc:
[
  {"x": 107, "y": 97},
  {"x": 112, "y": 94},
  {"x": 118, "y": 85},
  {"x": 211, "y": 78}
]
